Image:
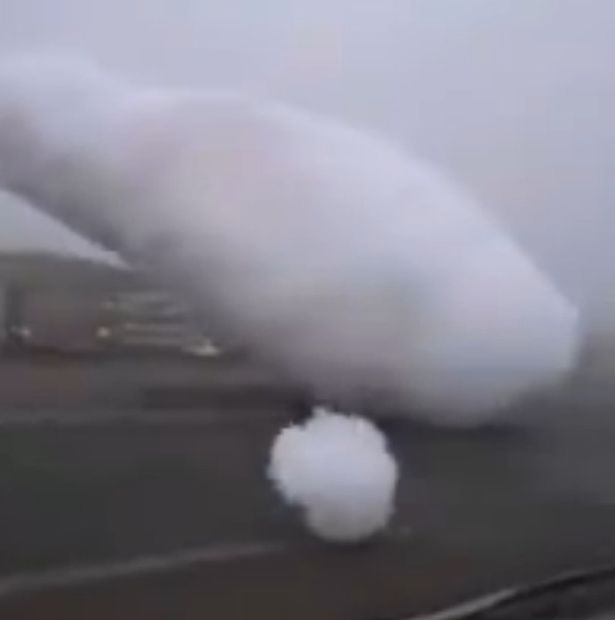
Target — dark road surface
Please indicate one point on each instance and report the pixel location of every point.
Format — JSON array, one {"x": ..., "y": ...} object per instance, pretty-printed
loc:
[{"x": 477, "y": 511}]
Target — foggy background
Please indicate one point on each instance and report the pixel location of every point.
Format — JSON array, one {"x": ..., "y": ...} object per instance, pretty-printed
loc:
[{"x": 513, "y": 97}]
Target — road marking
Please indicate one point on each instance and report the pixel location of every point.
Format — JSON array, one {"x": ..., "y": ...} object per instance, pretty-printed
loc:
[{"x": 74, "y": 576}]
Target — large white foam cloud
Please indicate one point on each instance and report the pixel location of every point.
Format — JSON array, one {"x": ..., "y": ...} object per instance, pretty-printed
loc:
[{"x": 337, "y": 256}]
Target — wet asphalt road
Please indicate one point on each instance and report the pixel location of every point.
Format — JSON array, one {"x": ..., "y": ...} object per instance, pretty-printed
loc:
[{"x": 477, "y": 511}]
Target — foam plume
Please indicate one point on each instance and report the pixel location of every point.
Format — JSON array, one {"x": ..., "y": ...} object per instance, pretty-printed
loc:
[{"x": 329, "y": 252}]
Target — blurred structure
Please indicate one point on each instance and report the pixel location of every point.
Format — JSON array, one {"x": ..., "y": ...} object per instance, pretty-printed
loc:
[
  {"x": 66, "y": 304},
  {"x": 146, "y": 318}
]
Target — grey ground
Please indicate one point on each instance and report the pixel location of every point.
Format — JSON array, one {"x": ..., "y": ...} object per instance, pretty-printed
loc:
[{"x": 478, "y": 511}]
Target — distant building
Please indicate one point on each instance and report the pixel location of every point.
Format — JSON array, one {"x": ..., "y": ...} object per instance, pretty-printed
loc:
[
  {"x": 63, "y": 303},
  {"x": 145, "y": 318}
]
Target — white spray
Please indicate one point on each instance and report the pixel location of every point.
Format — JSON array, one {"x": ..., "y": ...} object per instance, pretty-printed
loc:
[
  {"x": 353, "y": 267},
  {"x": 338, "y": 470}
]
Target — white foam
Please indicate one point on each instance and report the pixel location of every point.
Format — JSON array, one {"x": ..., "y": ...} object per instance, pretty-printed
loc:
[
  {"x": 338, "y": 470},
  {"x": 335, "y": 255}
]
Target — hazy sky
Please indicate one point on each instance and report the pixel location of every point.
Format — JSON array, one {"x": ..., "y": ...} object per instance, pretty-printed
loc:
[{"x": 515, "y": 97}]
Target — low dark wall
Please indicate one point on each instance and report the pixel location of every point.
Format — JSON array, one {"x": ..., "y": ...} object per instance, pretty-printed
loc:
[{"x": 136, "y": 381}]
